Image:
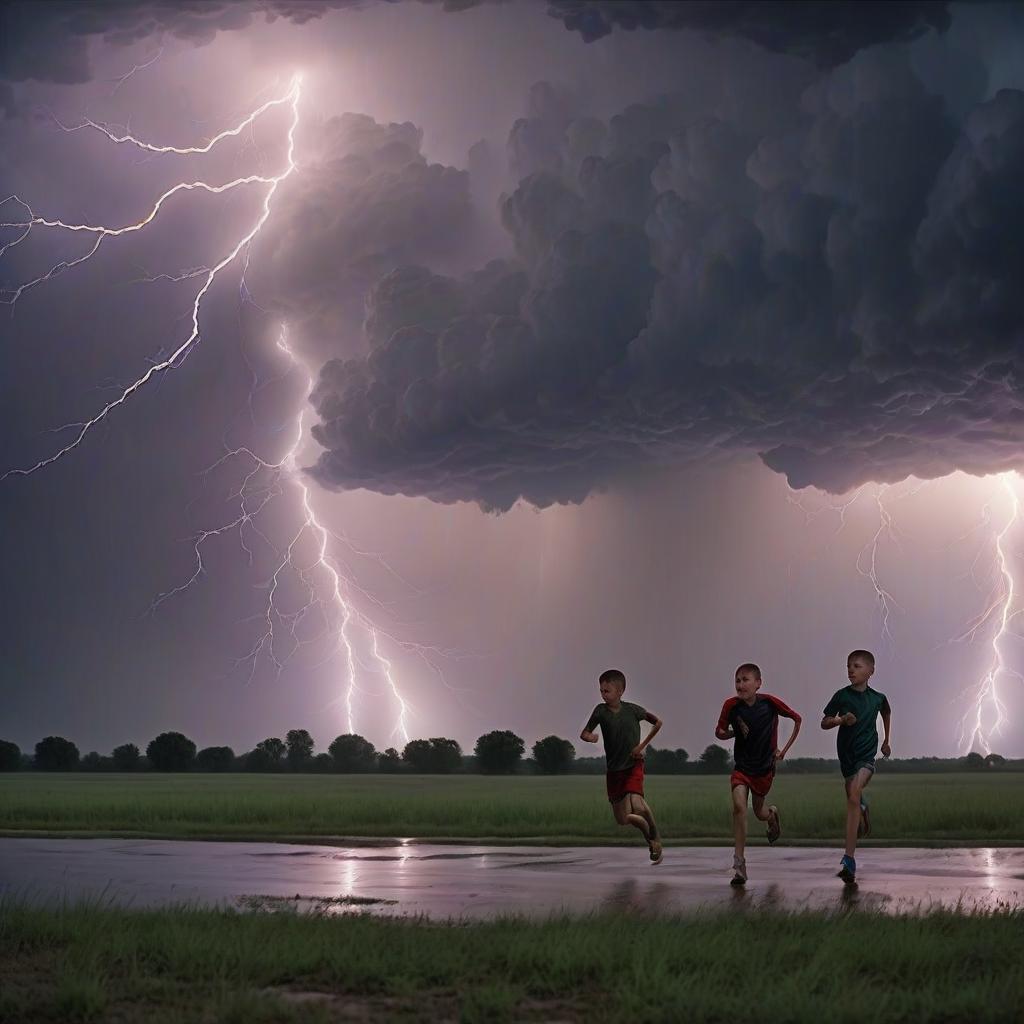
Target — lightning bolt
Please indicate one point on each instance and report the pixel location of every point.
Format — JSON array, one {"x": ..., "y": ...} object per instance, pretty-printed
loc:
[
  {"x": 867, "y": 562},
  {"x": 253, "y": 495},
  {"x": 988, "y": 714}
]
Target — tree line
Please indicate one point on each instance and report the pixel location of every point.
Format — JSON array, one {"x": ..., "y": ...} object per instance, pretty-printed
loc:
[{"x": 498, "y": 752}]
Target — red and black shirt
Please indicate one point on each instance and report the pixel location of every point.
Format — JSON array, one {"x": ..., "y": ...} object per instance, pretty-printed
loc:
[{"x": 757, "y": 728}]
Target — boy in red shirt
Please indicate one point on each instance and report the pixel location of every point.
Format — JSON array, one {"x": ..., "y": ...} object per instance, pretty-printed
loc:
[
  {"x": 753, "y": 719},
  {"x": 624, "y": 752}
]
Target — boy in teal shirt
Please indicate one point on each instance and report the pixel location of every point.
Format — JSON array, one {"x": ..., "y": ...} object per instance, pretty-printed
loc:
[{"x": 854, "y": 711}]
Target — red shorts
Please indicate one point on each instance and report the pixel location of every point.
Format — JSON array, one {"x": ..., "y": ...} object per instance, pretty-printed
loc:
[
  {"x": 757, "y": 784},
  {"x": 629, "y": 780}
]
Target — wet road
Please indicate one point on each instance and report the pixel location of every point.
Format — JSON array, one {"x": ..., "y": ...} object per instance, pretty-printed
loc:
[{"x": 468, "y": 881}]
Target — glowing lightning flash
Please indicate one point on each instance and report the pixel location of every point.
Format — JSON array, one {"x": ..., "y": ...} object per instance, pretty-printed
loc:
[
  {"x": 288, "y": 467},
  {"x": 989, "y": 713}
]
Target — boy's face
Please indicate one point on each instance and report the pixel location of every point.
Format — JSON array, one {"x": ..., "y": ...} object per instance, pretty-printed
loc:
[
  {"x": 747, "y": 684},
  {"x": 611, "y": 692},
  {"x": 859, "y": 671}
]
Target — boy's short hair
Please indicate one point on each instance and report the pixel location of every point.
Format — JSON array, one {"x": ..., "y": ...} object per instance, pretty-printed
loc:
[
  {"x": 749, "y": 666},
  {"x": 863, "y": 655},
  {"x": 613, "y": 675}
]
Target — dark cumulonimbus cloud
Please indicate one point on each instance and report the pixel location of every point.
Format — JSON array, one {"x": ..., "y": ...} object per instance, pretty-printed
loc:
[
  {"x": 49, "y": 41},
  {"x": 839, "y": 293},
  {"x": 827, "y": 33}
]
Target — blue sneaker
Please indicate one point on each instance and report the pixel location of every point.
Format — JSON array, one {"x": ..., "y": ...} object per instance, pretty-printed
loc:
[{"x": 848, "y": 870}]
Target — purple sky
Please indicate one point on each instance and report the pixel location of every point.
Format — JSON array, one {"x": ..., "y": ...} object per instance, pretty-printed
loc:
[{"x": 586, "y": 311}]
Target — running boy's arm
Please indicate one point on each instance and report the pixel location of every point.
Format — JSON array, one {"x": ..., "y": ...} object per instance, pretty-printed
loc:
[
  {"x": 588, "y": 735},
  {"x": 833, "y": 719},
  {"x": 723, "y": 730},
  {"x": 638, "y": 750},
  {"x": 887, "y": 726},
  {"x": 785, "y": 711}
]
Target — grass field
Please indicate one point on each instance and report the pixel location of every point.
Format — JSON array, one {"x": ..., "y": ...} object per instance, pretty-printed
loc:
[
  {"x": 918, "y": 809},
  {"x": 96, "y": 964}
]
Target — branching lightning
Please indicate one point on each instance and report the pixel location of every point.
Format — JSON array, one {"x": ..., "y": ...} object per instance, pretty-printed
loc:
[
  {"x": 867, "y": 562},
  {"x": 265, "y": 480},
  {"x": 988, "y": 713}
]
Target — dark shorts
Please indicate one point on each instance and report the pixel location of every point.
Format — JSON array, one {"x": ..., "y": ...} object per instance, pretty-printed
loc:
[
  {"x": 629, "y": 780},
  {"x": 850, "y": 769},
  {"x": 757, "y": 784}
]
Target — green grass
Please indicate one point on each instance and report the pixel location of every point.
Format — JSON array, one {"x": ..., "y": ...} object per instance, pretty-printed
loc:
[
  {"x": 906, "y": 808},
  {"x": 100, "y": 964}
]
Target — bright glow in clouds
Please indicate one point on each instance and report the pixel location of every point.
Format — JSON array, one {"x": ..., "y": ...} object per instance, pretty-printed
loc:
[{"x": 338, "y": 610}]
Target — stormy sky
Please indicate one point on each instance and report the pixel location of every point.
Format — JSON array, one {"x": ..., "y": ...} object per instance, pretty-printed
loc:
[{"x": 650, "y": 335}]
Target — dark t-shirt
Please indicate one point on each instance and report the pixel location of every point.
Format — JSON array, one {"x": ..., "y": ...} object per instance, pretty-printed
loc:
[
  {"x": 857, "y": 744},
  {"x": 620, "y": 731},
  {"x": 757, "y": 728}
]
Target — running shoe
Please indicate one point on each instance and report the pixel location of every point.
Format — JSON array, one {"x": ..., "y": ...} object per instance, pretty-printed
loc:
[
  {"x": 774, "y": 825},
  {"x": 739, "y": 869},
  {"x": 847, "y": 870}
]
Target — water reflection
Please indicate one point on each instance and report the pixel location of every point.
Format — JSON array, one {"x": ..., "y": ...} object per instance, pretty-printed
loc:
[{"x": 446, "y": 881}]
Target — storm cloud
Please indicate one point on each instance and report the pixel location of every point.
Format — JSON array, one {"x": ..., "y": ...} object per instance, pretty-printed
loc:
[
  {"x": 50, "y": 41},
  {"x": 834, "y": 292}
]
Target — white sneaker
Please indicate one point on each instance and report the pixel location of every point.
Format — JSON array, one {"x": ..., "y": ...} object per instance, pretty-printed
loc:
[{"x": 739, "y": 867}]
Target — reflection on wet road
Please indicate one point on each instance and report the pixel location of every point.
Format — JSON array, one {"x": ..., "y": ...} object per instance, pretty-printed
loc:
[{"x": 402, "y": 877}]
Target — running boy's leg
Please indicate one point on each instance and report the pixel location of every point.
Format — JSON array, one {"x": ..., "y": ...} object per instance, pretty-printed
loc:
[
  {"x": 639, "y": 807},
  {"x": 767, "y": 813},
  {"x": 739, "y": 819},
  {"x": 854, "y": 789},
  {"x": 623, "y": 811}
]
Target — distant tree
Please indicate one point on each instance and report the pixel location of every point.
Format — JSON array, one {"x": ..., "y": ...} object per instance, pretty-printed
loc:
[
  {"x": 352, "y": 753},
  {"x": 93, "y": 762},
  {"x": 171, "y": 752},
  {"x": 126, "y": 758},
  {"x": 215, "y": 759},
  {"x": 257, "y": 760},
  {"x": 416, "y": 755},
  {"x": 446, "y": 755},
  {"x": 553, "y": 755},
  {"x": 300, "y": 749},
  {"x": 499, "y": 751},
  {"x": 389, "y": 761},
  {"x": 996, "y": 761},
  {"x": 715, "y": 759},
  {"x": 275, "y": 749},
  {"x": 10, "y": 756},
  {"x": 438, "y": 754},
  {"x": 322, "y": 763},
  {"x": 974, "y": 760},
  {"x": 666, "y": 762},
  {"x": 56, "y": 754}
]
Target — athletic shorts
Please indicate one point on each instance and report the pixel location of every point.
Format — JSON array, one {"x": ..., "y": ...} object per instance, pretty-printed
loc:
[
  {"x": 629, "y": 780},
  {"x": 849, "y": 770},
  {"x": 757, "y": 784}
]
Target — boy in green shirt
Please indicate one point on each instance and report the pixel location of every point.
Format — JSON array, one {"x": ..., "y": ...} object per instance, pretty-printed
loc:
[
  {"x": 624, "y": 752},
  {"x": 854, "y": 710}
]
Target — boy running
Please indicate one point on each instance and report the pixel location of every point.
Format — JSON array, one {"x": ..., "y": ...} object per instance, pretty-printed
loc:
[
  {"x": 753, "y": 719},
  {"x": 854, "y": 710},
  {"x": 624, "y": 751}
]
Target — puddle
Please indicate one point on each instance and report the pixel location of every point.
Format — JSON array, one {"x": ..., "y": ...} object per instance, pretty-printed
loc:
[{"x": 482, "y": 882}]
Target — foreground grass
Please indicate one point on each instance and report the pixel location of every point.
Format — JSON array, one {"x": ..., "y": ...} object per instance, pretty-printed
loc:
[
  {"x": 99, "y": 964},
  {"x": 906, "y": 808}
]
